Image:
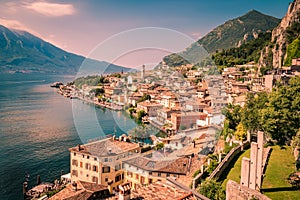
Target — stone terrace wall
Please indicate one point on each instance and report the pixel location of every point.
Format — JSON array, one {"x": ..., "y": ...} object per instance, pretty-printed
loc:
[
  {"x": 238, "y": 192},
  {"x": 225, "y": 162}
]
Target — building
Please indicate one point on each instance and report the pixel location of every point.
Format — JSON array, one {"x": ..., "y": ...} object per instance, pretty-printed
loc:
[
  {"x": 184, "y": 120},
  {"x": 100, "y": 162},
  {"x": 143, "y": 170},
  {"x": 159, "y": 190},
  {"x": 81, "y": 190},
  {"x": 150, "y": 108}
]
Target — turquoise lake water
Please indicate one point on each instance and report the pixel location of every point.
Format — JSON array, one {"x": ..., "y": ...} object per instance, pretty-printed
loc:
[{"x": 37, "y": 126}]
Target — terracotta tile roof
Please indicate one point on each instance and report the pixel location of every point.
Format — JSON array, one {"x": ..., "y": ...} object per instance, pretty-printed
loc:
[
  {"x": 105, "y": 147},
  {"x": 84, "y": 191},
  {"x": 149, "y": 104},
  {"x": 161, "y": 191},
  {"x": 175, "y": 166}
]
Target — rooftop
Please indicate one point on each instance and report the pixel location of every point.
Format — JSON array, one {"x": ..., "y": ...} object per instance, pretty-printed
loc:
[
  {"x": 84, "y": 191},
  {"x": 176, "y": 165},
  {"x": 105, "y": 147},
  {"x": 159, "y": 191}
]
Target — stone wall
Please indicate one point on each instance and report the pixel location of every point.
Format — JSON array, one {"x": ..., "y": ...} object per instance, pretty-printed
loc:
[
  {"x": 238, "y": 192},
  {"x": 225, "y": 162}
]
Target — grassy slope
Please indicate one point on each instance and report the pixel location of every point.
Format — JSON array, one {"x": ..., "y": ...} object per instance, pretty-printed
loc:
[
  {"x": 235, "y": 172},
  {"x": 275, "y": 185},
  {"x": 281, "y": 165}
]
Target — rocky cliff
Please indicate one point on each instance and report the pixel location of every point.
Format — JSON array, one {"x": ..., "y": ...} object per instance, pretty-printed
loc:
[{"x": 283, "y": 35}]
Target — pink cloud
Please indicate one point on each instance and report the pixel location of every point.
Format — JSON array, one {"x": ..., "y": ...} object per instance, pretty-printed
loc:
[
  {"x": 51, "y": 9},
  {"x": 17, "y": 25}
]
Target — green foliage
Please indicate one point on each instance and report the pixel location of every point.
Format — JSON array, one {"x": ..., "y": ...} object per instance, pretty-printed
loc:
[
  {"x": 131, "y": 110},
  {"x": 141, "y": 114},
  {"x": 233, "y": 116},
  {"x": 196, "y": 173},
  {"x": 212, "y": 190},
  {"x": 118, "y": 75},
  {"x": 144, "y": 98},
  {"x": 159, "y": 146},
  {"x": 264, "y": 70},
  {"x": 281, "y": 116},
  {"x": 97, "y": 91},
  {"x": 175, "y": 60},
  {"x": 293, "y": 31},
  {"x": 213, "y": 163},
  {"x": 241, "y": 132},
  {"x": 293, "y": 51},
  {"x": 247, "y": 52},
  {"x": 251, "y": 112},
  {"x": 90, "y": 80}
]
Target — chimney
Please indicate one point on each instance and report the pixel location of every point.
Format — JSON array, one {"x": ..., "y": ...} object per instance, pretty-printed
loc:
[{"x": 124, "y": 191}]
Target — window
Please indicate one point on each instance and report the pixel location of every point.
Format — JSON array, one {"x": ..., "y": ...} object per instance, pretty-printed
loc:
[
  {"x": 118, "y": 178},
  {"x": 81, "y": 164},
  {"x": 117, "y": 167},
  {"x": 75, "y": 162},
  {"x": 129, "y": 174},
  {"x": 95, "y": 179},
  {"x": 137, "y": 176},
  {"x": 88, "y": 166},
  {"x": 74, "y": 173},
  {"x": 88, "y": 157},
  {"x": 150, "y": 180},
  {"x": 150, "y": 173},
  {"x": 95, "y": 168},
  {"x": 87, "y": 175},
  {"x": 74, "y": 154},
  {"x": 95, "y": 159},
  {"x": 168, "y": 174},
  {"x": 105, "y": 169},
  {"x": 105, "y": 159},
  {"x": 159, "y": 174},
  {"x": 83, "y": 155},
  {"x": 106, "y": 179}
]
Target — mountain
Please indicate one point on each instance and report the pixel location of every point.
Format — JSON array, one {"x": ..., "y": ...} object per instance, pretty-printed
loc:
[
  {"x": 285, "y": 41},
  {"x": 237, "y": 31},
  {"x": 232, "y": 33},
  {"x": 23, "y": 52}
]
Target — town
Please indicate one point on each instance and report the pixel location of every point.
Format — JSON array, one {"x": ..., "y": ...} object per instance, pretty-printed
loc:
[{"x": 186, "y": 108}]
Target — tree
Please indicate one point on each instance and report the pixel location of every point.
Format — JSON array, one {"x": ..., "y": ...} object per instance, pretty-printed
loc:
[
  {"x": 251, "y": 112},
  {"x": 233, "y": 115},
  {"x": 144, "y": 98},
  {"x": 241, "y": 132},
  {"x": 281, "y": 116},
  {"x": 212, "y": 190},
  {"x": 159, "y": 146},
  {"x": 141, "y": 114}
]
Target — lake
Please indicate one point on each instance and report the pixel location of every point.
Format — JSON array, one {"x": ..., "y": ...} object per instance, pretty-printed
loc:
[{"x": 37, "y": 126}]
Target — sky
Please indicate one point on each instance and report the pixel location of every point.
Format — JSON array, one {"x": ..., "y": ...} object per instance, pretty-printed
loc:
[{"x": 78, "y": 26}]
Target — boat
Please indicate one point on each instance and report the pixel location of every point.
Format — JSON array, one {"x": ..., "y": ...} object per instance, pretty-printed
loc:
[{"x": 56, "y": 84}]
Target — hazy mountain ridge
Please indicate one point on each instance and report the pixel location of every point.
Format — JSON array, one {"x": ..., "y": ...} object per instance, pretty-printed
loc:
[
  {"x": 23, "y": 52},
  {"x": 237, "y": 31},
  {"x": 233, "y": 33}
]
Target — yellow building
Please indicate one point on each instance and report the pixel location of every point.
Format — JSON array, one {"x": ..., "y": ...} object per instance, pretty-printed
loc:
[
  {"x": 142, "y": 170},
  {"x": 101, "y": 161}
]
